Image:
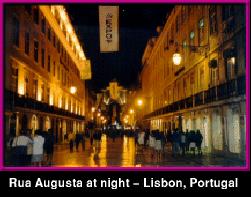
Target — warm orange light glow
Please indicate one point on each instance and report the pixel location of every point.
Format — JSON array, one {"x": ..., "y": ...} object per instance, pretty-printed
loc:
[
  {"x": 63, "y": 15},
  {"x": 140, "y": 102},
  {"x": 69, "y": 29},
  {"x": 99, "y": 114},
  {"x": 233, "y": 60},
  {"x": 73, "y": 90},
  {"x": 131, "y": 111},
  {"x": 102, "y": 118},
  {"x": 66, "y": 22},
  {"x": 66, "y": 103},
  {"x": 60, "y": 102},
  {"x": 51, "y": 99},
  {"x": 93, "y": 109},
  {"x": 74, "y": 39},
  {"x": 176, "y": 59},
  {"x": 21, "y": 88}
]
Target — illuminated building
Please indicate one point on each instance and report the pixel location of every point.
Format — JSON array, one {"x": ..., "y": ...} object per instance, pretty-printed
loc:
[
  {"x": 112, "y": 101},
  {"x": 205, "y": 87},
  {"x": 45, "y": 69}
]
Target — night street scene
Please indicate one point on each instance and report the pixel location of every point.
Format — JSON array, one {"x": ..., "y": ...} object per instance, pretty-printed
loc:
[{"x": 124, "y": 85}]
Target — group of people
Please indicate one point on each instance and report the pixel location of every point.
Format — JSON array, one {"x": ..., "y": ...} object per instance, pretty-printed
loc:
[
  {"x": 181, "y": 142},
  {"x": 29, "y": 149},
  {"x": 94, "y": 135},
  {"x": 78, "y": 138}
]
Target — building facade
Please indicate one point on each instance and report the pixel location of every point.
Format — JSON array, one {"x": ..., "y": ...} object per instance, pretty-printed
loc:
[
  {"x": 206, "y": 91},
  {"x": 44, "y": 62},
  {"x": 111, "y": 103},
  {"x": 90, "y": 102}
]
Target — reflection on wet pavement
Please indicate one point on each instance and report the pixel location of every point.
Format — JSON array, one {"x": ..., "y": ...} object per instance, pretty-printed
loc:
[{"x": 122, "y": 152}]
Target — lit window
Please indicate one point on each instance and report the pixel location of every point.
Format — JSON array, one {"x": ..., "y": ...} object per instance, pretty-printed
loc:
[
  {"x": 192, "y": 35},
  {"x": 201, "y": 23},
  {"x": 200, "y": 30}
]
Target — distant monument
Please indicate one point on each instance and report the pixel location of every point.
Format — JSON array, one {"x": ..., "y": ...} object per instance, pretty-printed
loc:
[{"x": 111, "y": 102}]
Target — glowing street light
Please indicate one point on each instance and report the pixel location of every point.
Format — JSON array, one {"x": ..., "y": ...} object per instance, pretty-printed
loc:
[
  {"x": 93, "y": 109},
  {"x": 73, "y": 89},
  {"x": 131, "y": 111},
  {"x": 140, "y": 102},
  {"x": 125, "y": 121},
  {"x": 176, "y": 58}
]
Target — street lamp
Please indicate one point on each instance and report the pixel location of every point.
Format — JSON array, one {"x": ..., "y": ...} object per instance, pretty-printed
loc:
[
  {"x": 139, "y": 102},
  {"x": 176, "y": 58},
  {"x": 73, "y": 89},
  {"x": 131, "y": 111},
  {"x": 93, "y": 109}
]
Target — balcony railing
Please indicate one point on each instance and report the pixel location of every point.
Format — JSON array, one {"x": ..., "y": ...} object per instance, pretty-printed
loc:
[
  {"x": 231, "y": 88},
  {"x": 13, "y": 100}
]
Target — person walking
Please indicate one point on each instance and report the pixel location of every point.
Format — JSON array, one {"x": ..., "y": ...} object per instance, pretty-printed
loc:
[
  {"x": 175, "y": 142},
  {"x": 158, "y": 145},
  {"x": 183, "y": 143},
  {"x": 71, "y": 138},
  {"x": 20, "y": 144},
  {"x": 187, "y": 140},
  {"x": 38, "y": 144},
  {"x": 198, "y": 141},
  {"x": 91, "y": 138},
  {"x": 192, "y": 141},
  {"x": 29, "y": 147},
  {"x": 77, "y": 140},
  {"x": 50, "y": 147}
]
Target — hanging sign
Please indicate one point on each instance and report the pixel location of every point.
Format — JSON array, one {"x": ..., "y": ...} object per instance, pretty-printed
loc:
[{"x": 109, "y": 28}]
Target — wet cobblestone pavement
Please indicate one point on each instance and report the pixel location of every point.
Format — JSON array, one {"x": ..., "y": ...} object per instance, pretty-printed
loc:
[{"x": 122, "y": 152}]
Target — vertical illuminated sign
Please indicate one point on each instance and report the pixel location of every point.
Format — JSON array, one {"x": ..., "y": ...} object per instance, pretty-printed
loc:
[{"x": 109, "y": 28}]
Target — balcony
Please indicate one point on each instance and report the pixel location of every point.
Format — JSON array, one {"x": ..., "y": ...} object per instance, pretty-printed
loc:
[
  {"x": 189, "y": 102},
  {"x": 199, "y": 98},
  {"x": 13, "y": 100},
  {"x": 231, "y": 88}
]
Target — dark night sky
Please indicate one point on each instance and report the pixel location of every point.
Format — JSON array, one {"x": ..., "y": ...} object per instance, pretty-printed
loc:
[{"x": 138, "y": 23}]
